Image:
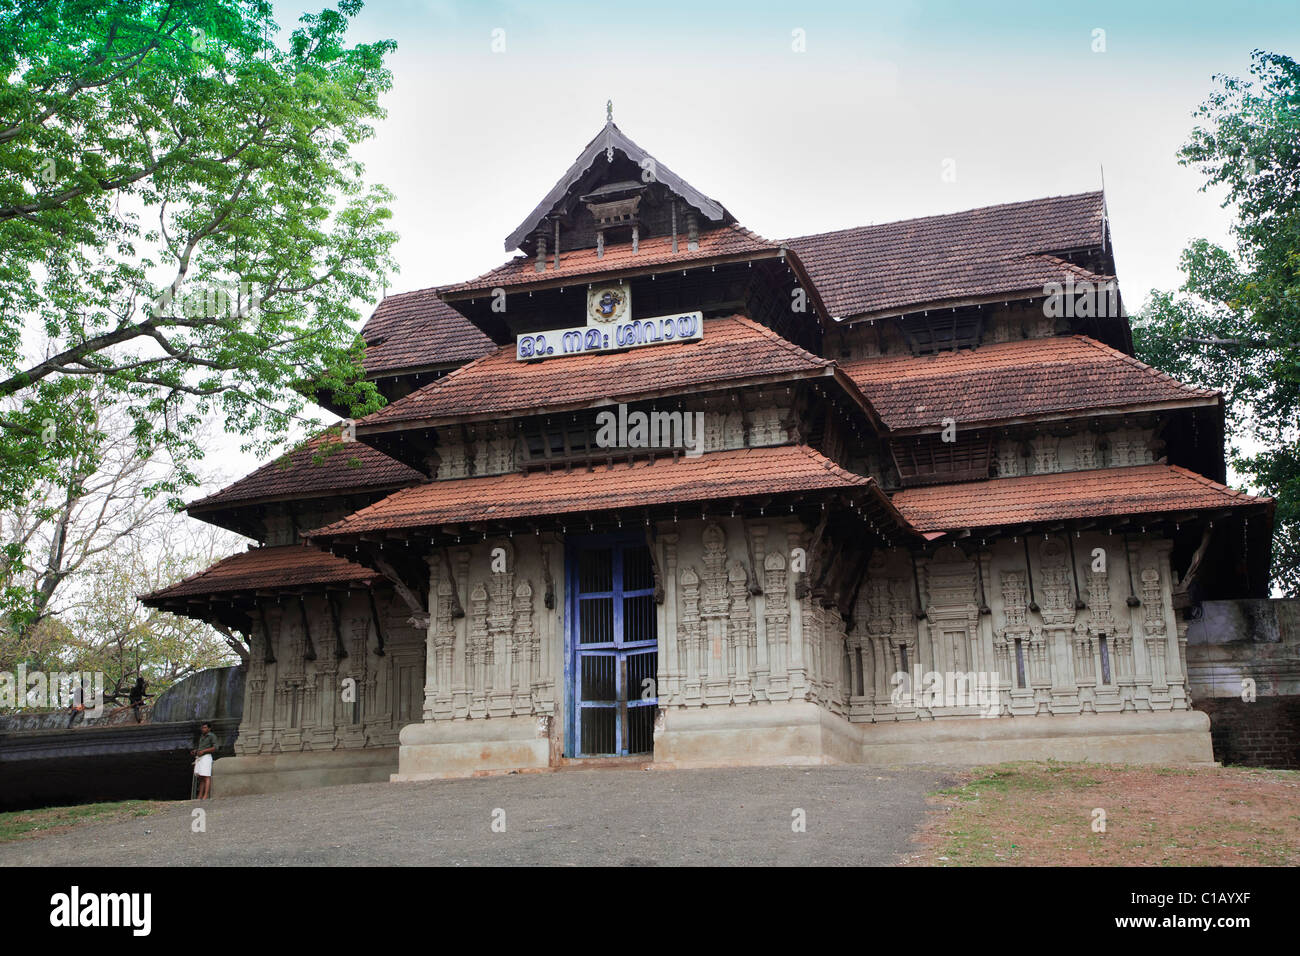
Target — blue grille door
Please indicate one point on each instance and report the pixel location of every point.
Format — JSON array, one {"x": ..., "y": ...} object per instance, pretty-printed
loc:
[{"x": 615, "y": 653}]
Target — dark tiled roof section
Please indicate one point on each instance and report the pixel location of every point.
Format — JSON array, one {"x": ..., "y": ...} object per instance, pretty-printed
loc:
[
  {"x": 343, "y": 465},
  {"x": 898, "y": 266},
  {"x": 414, "y": 330},
  {"x": 733, "y": 348},
  {"x": 1106, "y": 492},
  {"x": 655, "y": 250},
  {"x": 724, "y": 474},
  {"x": 288, "y": 566},
  {"x": 1012, "y": 380}
]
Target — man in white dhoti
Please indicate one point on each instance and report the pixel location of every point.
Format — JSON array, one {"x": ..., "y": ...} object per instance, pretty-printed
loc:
[{"x": 202, "y": 753}]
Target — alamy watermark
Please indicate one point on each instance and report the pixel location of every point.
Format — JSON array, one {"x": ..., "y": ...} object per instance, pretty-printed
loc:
[
  {"x": 624, "y": 429},
  {"x": 980, "y": 689},
  {"x": 1083, "y": 299},
  {"x": 55, "y": 690}
]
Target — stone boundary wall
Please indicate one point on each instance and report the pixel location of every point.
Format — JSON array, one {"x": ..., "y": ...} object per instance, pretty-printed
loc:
[{"x": 1243, "y": 661}]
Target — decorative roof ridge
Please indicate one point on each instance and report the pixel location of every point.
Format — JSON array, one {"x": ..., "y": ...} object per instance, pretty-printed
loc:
[
  {"x": 1136, "y": 362},
  {"x": 213, "y": 566},
  {"x": 941, "y": 215},
  {"x": 797, "y": 350},
  {"x": 1210, "y": 482},
  {"x": 284, "y": 461},
  {"x": 340, "y": 527}
]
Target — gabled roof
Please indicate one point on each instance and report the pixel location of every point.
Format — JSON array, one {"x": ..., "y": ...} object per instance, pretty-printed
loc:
[
  {"x": 417, "y": 330},
  {"x": 733, "y": 351},
  {"x": 727, "y": 475},
  {"x": 611, "y": 138},
  {"x": 258, "y": 569},
  {"x": 342, "y": 466},
  {"x": 575, "y": 264},
  {"x": 1065, "y": 496},
  {"x": 908, "y": 265},
  {"x": 1028, "y": 378}
]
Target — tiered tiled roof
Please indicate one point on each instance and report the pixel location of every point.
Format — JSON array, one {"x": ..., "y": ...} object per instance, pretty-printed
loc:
[
  {"x": 417, "y": 330},
  {"x": 725, "y": 474},
  {"x": 342, "y": 466},
  {"x": 1065, "y": 496},
  {"x": 1029, "y": 378},
  {"x": 732, "y": 350},
  {"x": 892, "y": 267},
  {"x": 720, "y": 243},
  {"x": 288, "y": 566}
]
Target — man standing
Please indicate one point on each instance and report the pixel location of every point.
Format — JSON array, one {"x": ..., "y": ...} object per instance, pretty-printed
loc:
[{"x": 203, "y": 752}]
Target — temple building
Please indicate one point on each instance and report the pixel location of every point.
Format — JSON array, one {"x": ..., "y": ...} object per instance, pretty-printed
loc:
[{"x": 662, "y": 489}]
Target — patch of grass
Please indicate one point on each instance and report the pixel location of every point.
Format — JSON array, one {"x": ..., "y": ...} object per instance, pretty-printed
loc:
[
  {"x": 17, "y": 824},
  {"x": 1085, "y": 814}
]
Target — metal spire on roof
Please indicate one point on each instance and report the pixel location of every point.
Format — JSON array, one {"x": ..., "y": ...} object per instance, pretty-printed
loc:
[{"x": 609, "y": 139}]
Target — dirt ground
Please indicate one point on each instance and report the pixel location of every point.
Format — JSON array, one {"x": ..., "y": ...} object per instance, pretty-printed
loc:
[
  {"x": 754, "y": 816},
  {"x": 1047, "y": 814}
]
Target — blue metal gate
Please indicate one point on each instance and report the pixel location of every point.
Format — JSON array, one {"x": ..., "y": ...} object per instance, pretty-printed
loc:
[{"x": 613, "y": 646}]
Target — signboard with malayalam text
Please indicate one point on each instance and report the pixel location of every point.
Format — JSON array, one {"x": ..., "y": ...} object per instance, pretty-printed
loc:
[{"x": 610, "y": 337}]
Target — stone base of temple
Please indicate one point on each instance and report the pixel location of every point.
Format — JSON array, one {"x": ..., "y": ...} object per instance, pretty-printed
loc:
[
  {"x": 277, "y": 773},
  {"x": 793, "y": 733},
  {"x": 461, "y": 748},
  {"x": 1174, "y": 738},
  {"x": 800, "y": 733}
]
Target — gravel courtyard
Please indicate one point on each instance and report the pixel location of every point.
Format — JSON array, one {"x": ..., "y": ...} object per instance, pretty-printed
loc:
[{"x": 745, "y": 816}]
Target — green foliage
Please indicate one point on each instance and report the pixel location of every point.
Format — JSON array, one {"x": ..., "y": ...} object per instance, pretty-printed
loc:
[
  {"x": 1235, "y": 324},
  {"x": 183, "y": 228}
]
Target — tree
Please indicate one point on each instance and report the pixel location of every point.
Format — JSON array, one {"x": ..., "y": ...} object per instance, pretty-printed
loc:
[
  {"x": 1235, "y": 323},
  {"x": 89, "y": 546},
  {"x": 182, "y": 227}
]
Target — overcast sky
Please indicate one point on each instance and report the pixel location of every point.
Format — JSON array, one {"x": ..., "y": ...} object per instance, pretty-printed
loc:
[{"x": 492, "y": 101}]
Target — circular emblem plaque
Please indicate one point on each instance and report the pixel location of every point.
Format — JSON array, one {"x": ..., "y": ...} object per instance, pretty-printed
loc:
[{"x": 607, "y": 304}]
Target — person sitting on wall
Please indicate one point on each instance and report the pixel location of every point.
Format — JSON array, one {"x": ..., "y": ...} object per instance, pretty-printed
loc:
[
  {"x": 77, "y": 706},
  {"x": 137, "y": 697},
  {"x": 202, "y": 753}
]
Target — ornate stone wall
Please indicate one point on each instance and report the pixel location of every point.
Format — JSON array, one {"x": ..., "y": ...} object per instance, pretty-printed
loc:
[
  {"x": 308, "y": 696},
  {"x": 495, "y": 640},
  {"x": 1047, "y": 645}
]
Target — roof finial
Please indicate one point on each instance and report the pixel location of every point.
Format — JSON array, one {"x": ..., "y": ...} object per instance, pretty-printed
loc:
[{"x": 609, "y": 111}]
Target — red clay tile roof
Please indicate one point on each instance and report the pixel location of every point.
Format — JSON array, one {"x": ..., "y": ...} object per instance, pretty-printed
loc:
[
  {"x": 1030, "y": 377},
  {"x": 724, "y": 474},
  {"x": 288, "y": 566},
  {"x": 413, "y": 330},
  {"x": 1105, "y": 492},
  {"x": 732, "y": 349},
  {"x": 343, "y": 466},
  {"x": 887, "y": 268},
  {"x": 656, "y": 250}
]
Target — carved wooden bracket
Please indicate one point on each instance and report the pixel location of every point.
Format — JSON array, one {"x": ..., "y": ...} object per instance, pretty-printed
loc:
[
  {"x": 268, "y": 656},
  {"x": 549, "y": 598},
  {"x": 654, "y": 563},
  {"x": 754, "y": 587},
  {"x": 309, "y": 648},
  {"x": 340, "y": 651},
  {"x": 404, "y": 592},
  {"x": 379, "y": 628},
  {"x": 456, "y": 610}
]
